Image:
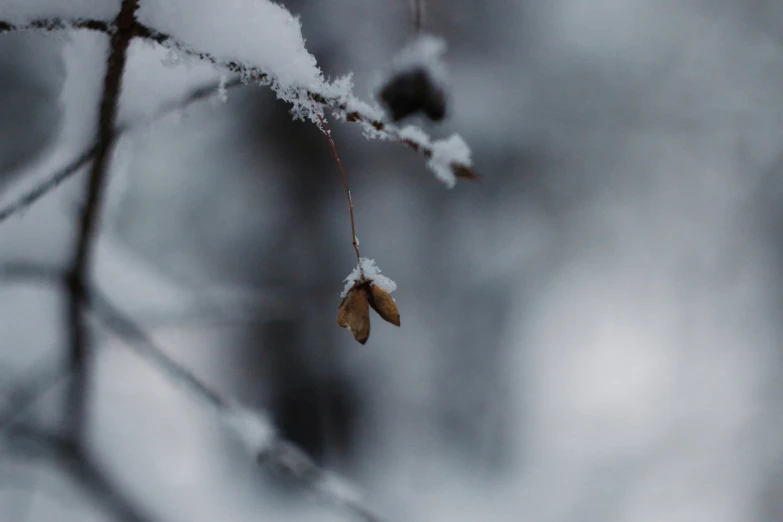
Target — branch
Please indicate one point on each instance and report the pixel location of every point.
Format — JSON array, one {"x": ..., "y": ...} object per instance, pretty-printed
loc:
[
  {"x": 79, "y": 270},
  {"x": 53, "y": 181}
]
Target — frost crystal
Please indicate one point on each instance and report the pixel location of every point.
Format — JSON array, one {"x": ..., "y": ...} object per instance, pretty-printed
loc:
[{"x": 371, "y": 272}]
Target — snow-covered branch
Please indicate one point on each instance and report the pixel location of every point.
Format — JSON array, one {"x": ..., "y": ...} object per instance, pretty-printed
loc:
[{"x": 261, "y": 42}]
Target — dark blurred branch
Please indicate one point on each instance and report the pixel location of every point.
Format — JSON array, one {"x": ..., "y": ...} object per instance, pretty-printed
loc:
[
  {"x": 21, "y": 399},
  {"x": 78, "y": 274},
  {"x": 417, "y": 14},
  {"x": 49, "y": 184},
  {"x": 253, "y": 428}
]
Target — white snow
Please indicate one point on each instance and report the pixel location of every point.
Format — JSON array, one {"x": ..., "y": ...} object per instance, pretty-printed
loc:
[
  {"x": 366, "y": 270},
  {"x": 445, "y": 152},
  {"x": 338, "y": 489},
  {"x": 256, "y": 34},
  {"x": 253, "y": 429},
  {"x": 424, "y": 52},
  {"x": 23, "y": 11}
]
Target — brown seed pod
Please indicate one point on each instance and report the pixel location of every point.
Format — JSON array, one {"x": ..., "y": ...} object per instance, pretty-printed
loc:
[
  {"x": 384, "y": 305},
  {"x": 354, "y": 312}
]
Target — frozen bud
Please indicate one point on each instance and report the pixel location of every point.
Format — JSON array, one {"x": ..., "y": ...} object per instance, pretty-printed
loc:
[
  {"x": 411, "y": 91},
  {"x": 384, "y": 305},
  {"x": 354, "y": 313}
]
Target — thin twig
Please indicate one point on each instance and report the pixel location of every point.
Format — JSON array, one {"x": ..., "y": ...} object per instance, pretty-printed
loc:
[
  {"x": 49, "y": 184},
  {"x": 417, "y": 13},
  {"x": 84, "y": 158},
  {"x": 344, "y": 177}
]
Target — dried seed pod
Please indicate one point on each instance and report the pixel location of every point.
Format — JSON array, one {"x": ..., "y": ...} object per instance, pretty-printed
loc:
[
  {"x": 354, "y": 312},
  {"x": 384, "y": 305}
]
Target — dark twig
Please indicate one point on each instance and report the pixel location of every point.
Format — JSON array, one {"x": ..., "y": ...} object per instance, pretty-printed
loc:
[
  {"x": 79, "y": 270},
  {"x": 417, "y": 14},
  {"x": 49, "y": 184}
]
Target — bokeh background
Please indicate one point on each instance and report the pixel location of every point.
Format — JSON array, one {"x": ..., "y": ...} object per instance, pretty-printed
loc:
[{"x": 591, "y": 333}]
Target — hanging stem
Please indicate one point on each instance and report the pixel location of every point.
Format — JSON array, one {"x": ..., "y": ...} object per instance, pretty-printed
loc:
[
  {"x": 417, "y": 13},
  {"x": 328, "y": 135}
]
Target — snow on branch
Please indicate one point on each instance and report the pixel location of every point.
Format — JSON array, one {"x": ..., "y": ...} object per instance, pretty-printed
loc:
[
  {"x": 256, "y": 39},
  {"x": 336, "y": 97}
]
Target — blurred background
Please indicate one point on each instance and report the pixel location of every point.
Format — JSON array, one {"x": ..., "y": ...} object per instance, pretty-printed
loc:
[{"x": 591, "y": 333}]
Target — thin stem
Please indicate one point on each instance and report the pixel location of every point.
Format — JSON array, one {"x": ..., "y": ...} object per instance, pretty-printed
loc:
[
  {"x": 328, "y": 135},
  {"x": 417, "y": 13}
]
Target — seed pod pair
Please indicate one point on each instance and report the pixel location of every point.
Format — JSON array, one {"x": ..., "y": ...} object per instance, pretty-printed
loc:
[{"x": 354, "y": 310}]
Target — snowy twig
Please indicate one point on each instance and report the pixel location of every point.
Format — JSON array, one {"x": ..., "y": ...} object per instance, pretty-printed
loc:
[{"x": 349, "y": 108}]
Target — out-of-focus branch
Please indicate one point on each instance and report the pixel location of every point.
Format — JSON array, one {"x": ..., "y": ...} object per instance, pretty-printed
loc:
[
  {"x": 49, "y": 184},
  {"x": 85, "y": 157},
  {"x": 78, "y": 273},
  {"x": 253, "y": 428}
]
